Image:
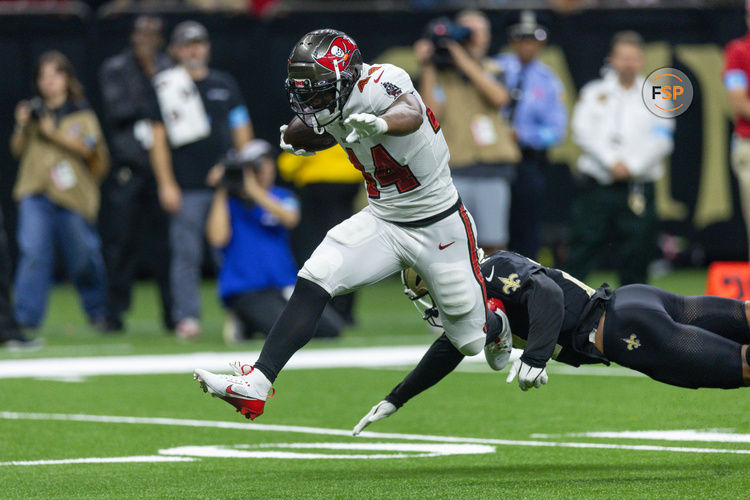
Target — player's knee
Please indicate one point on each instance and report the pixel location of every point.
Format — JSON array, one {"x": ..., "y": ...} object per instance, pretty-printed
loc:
[
  {"x": 454, "y": 289},
  {"x": 472, "y": 348}
]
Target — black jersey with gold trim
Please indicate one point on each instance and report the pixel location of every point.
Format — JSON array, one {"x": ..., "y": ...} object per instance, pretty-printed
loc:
[{"x": 545, "y": 302}]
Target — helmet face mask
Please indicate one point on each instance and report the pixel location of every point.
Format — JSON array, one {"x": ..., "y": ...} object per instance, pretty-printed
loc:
[
  {"x": 419, "y": 295},
  {"x": 322, "y": 70},
  {"x": 316, "y": 107}
]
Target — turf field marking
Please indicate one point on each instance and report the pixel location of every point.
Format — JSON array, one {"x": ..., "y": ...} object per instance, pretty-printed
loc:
[
  {"x": 103, "y": 460},
  {"x": 358, "y": 357},
  {"x": 362, "y": 357},
  {"x": 72, "y": 379},
  {"x": 88, "y": 349},
  {"x": 710, "y": 435},
  {"x": 366, "y": 434},
  {"x": 403, "y": 450}
]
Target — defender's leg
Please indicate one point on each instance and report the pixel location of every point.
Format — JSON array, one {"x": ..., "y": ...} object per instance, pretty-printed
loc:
[
  {"x": 639, "y": 334},
  {"x": 725, "y": 317}
]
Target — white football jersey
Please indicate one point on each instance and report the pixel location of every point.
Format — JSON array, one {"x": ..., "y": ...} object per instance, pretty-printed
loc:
[{"x": 407, "y": 177}]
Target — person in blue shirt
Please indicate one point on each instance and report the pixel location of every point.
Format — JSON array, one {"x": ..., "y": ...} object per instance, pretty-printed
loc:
[
  {"x": 249, "y": 221},
  {"x": 539, "y": 120}
]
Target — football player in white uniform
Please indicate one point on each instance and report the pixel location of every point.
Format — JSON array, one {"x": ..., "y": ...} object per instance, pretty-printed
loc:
[{"x": 414, "y": 219}]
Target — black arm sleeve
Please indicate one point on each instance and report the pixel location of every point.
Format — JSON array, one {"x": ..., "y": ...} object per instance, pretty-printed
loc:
[
  {"x": 545, "y": 303},
  {"x": 439, "y": 360}
]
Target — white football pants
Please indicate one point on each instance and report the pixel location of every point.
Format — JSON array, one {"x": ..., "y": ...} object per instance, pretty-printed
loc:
[{"x": 365, "y": 249}]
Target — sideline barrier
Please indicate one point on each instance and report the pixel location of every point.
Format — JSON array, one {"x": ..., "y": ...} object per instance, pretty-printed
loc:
[{"x": 729, "y": 279}]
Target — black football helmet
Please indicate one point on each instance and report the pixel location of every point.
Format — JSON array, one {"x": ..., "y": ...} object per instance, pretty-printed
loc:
[{"x": 322, "y": 70}]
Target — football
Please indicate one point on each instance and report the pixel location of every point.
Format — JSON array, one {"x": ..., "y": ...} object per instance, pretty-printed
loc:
[{"x": 301, "y": 136}]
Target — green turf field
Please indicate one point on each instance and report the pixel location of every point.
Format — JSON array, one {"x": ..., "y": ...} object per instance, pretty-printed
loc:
[{"x": 472, "y": 436}]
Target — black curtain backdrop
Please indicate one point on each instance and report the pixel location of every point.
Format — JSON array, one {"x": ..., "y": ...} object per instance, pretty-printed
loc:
[{"x": 256, "y": 51}]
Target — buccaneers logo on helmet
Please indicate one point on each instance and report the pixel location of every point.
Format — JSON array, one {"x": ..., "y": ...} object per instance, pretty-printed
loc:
[{"x": 339, "y": 54}]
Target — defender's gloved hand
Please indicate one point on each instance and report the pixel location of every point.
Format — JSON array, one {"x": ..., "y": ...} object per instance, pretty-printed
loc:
[
  {"x": 364, "y": 125},
  {"x": 289, "y": 148},
  {"x": 528, "y": 376},
  {"x": 378, "y": 412}
]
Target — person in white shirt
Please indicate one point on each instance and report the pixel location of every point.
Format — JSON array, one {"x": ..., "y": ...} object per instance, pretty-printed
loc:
[{"x": 623, "y": 147}]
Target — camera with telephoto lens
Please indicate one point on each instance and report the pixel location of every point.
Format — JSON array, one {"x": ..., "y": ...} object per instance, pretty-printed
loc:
[
  {"x": 441, "y": 29},
  {"x": 36, "y": 105},
  {"x": 251, "y": 156}
]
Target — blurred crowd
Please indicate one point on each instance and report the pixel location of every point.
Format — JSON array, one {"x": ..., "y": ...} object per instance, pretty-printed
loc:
[
  {"x": 180, "y": 179},
  {"x": 266, "y": 7},
  {"x": 113, "y": 7},
  {"x": 179, "y": 168}
]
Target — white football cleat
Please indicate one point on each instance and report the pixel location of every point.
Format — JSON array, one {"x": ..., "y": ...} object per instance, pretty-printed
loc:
[
  {"x": 246, "y": 391},
  {"x": 498, "y": 348}
]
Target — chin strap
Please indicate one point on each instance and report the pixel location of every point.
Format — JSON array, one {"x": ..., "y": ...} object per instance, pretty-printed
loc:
[{"x": 316, "y": 127}]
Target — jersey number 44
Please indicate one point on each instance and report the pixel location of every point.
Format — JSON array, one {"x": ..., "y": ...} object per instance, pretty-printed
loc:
[{"x": 387, "y": 170}]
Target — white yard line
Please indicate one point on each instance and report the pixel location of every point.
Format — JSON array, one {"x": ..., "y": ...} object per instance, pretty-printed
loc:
[
  {"x": 273, "y": 450},
  {"x": 342, "y": 432},
  {"x": 358, "y": 357},
  {"x": 697, "y": 435},
  {"x": 214, "y": 361},
  {"x": 102, "y": 460}
]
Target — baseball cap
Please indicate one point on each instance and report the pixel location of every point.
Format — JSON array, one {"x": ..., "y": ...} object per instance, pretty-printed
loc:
[
  {"x": 528, "y": 28},
  {"x": 254, "y": 151},
  {"x": 188, "y": 32}
]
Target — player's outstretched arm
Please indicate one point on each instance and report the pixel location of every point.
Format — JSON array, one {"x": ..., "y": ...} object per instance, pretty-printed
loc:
[
  {"x": 545, "y": 303},
  {"x": 439, "y": 360}
]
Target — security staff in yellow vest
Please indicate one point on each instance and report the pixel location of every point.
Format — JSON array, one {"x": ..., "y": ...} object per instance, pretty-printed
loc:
[
  {"x": 63, "y": 158},
  {"x": 462, "y": 88}
]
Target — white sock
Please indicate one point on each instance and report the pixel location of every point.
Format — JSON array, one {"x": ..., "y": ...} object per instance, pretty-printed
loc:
[{"x": 261, "y": 383}]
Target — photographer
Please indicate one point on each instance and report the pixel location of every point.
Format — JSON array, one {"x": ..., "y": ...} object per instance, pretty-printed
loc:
[
  {"x": 249, "y": 221},
  {"x": 462, "y": 87},
  {"x": 63, "y": 158}
]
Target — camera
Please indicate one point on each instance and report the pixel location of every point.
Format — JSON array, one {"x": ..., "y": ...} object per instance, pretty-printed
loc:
[
  {"x": 443, "y": 28},
  {"x": 235, "y": 162},
  {"x": 37, "y": 107},
  {"x": 233, "y": 177}
]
